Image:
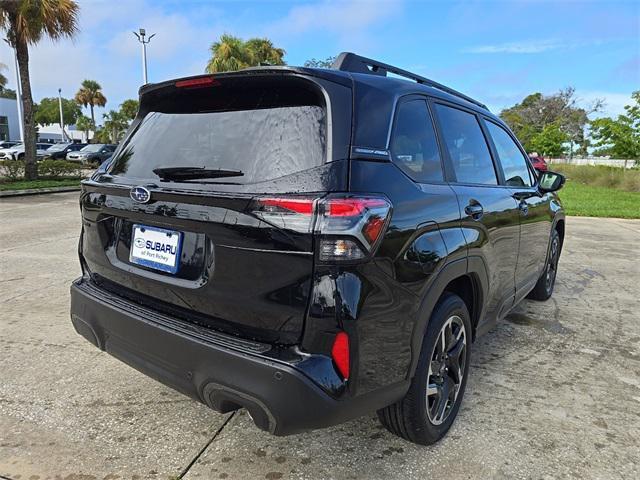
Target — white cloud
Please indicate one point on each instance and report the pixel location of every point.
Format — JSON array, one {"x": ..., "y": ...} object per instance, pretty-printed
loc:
[
  {"x": 534, "y": 46},
  {"x": 349, "y": 21},
  {"x": 531, "y": 46}
]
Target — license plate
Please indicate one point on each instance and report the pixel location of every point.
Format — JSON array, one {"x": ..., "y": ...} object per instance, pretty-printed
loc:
[{"x": 156, "y": 248}]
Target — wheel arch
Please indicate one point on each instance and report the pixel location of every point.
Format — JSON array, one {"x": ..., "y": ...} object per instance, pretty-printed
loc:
[{"x": 466, "y": 278}]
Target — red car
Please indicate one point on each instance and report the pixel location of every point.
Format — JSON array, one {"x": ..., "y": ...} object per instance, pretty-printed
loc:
[{"x": 539, "y": 163}]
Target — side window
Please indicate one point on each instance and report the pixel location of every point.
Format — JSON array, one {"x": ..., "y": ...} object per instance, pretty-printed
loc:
[
  {"x": 466, "y": 145},
  {"x": 413, "y": 143},
  {"x": 516, "y": 172}
]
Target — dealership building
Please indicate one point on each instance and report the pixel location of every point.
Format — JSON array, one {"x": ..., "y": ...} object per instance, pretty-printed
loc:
[{"x": 10, "y": 126}]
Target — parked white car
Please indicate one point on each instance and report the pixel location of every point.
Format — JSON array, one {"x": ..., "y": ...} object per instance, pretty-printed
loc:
[{"x": 16, "y": 152}]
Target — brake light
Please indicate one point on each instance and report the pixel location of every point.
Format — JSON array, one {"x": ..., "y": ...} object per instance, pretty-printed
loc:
[
  {"x": 303, "y": 206},
  {"x": 197, "y": 82},
  {"x": 340, "y": 354},
  {"x": 349, "y": 227},
  {"x": 339, "y": 207}
]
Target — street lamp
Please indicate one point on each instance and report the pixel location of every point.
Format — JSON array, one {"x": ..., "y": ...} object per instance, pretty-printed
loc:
[
  {"x": 18, "y": 91},
  {"x": 140, "y": 35},
  {"x": 64, "y": 137}
]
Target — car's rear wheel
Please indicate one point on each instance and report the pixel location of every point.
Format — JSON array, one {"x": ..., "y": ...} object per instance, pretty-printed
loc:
[
  {"x": 547, "y": 281},
  {"x": 432, "y": 402}
]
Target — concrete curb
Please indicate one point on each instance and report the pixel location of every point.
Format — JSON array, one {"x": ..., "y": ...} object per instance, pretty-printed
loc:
[{"x": 37, "y": 191}]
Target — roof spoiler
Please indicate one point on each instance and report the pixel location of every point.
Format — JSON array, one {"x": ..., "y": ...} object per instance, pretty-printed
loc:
[{"x": 350, "y": 62}]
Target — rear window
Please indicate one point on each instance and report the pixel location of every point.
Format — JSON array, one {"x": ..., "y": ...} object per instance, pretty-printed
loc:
[{"x": 264, "y": 141}]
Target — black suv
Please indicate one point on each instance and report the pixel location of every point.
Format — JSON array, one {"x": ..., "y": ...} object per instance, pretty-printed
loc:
[{"x": 313, "y": 244}]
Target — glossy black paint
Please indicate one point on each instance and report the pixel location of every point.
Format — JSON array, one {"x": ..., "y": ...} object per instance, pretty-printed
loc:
[{"x": 244, "y": 278}]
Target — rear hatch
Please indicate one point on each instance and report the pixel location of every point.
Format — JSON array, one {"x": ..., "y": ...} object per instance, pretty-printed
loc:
[{"x": 198, "y": 212}]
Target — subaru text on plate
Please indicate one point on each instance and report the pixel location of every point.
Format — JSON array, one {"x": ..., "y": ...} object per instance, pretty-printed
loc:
[{"x": 313, "y": 244}]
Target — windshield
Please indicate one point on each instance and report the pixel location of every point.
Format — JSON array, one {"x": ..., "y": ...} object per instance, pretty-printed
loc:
[
  {"x": 92, "y": 148},
  {"x": 58, "y": 147},
  {"x": 264, "y": 144}
]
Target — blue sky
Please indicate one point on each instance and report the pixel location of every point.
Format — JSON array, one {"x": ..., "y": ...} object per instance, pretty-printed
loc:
[{"x": 497, "y": 52}]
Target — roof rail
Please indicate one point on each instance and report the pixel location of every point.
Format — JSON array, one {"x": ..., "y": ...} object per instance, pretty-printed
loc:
[{"x": 350, "y": 62}]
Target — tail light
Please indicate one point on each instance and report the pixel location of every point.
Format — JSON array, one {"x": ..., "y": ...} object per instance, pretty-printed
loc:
[
  {"x": 340, "y": 354},
  {"x": 349, "y": 227}
]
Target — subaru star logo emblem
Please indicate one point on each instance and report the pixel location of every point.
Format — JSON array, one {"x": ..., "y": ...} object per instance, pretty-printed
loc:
[{"x": 140, "y": 194}]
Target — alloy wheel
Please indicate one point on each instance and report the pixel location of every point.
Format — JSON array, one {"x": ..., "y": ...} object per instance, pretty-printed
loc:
[
  {"x": 446, "y": 370},
  {"x": 552, "y": 264}
]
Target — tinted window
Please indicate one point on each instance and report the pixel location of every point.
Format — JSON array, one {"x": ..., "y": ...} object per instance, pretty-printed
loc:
[
  {"x": 467, "y": 146},
  {"x": 413, "y": 143},
  {"x": 516, "y": 172},
  {"x": 264, "y": 143}
]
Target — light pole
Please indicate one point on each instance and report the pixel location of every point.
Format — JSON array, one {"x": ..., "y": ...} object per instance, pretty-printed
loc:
[
  {"x": 64, "y": 137},
  {"x": 144, "y": 42},
  {"x": 18, "y": 92}
]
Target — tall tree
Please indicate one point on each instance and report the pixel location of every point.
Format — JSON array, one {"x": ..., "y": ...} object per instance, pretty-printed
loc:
[
  {"x": 315, "y": 63},
  {"x": 129, "y": 109},
  {"x": 90, "y": 94},
  {"x": 529, "y": 118},
  {"x": 115, "y": 124},
  {"x": 48, "y": 111},
  {"x": 25, "y": 23},
  {"x": 232, "y": 53},
  {"x": 85, "y": 124},
  {"x": 619, "y": 137}
]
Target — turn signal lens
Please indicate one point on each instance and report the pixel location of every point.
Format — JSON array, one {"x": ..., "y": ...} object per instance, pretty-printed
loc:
[
  {"x": 340, "y": 354},
  {"x": 336, "y": 249}
]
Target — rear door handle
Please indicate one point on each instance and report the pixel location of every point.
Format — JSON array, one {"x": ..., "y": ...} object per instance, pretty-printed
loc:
[{"x": 474, "y": 210}]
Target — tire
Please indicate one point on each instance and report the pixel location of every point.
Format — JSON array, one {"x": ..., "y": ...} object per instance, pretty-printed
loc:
[
  {"x": 423, "y": 416},
  {"x": 547, "y": 281}
]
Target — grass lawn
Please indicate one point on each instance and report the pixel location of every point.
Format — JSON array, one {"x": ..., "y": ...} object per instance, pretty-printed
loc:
[
  {"x": 593, "y": 201},
  {"x": 24, "y": 184}
]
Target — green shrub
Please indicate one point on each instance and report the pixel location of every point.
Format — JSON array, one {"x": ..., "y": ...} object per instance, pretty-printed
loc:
[
  {"x": 58, "y": 168},
  {"x": 12, "y": 169},
  {"x": 601, "y": 176}
]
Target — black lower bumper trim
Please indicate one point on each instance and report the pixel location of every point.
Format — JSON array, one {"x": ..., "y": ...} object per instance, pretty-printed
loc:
[{"x": 280, "y": 398}]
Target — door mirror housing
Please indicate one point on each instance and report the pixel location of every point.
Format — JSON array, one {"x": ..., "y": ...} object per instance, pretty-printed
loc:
[{"x": 551, "y": 181}]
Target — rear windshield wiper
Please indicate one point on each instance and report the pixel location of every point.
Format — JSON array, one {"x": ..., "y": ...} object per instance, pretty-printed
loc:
[{"x": 194, "y": 173}]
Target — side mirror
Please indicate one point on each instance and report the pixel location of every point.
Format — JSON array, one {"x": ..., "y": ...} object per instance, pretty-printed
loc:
[{"x": 551, "y": 181}]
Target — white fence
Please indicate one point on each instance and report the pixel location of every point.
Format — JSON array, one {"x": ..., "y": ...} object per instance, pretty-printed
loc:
[{"x": 611, "y": 162}]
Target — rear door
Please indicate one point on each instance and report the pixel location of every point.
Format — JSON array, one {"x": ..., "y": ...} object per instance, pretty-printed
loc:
[
  {"x": 231, "y": 252},
  {"x": 535, "y": 213},
  {"x": 489, "y": 212}
]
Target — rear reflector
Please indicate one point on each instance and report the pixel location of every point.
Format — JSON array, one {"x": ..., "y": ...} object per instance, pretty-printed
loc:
[
  {"x": 340, "y": 354},
  {"x": 197, "y": 82}
]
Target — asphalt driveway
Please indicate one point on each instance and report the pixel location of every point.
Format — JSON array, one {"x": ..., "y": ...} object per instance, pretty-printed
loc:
[{"x": 554, "y": 390}]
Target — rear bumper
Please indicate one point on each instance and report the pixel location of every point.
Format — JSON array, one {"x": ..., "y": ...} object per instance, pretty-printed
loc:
[{"x": 221, "y": 372}]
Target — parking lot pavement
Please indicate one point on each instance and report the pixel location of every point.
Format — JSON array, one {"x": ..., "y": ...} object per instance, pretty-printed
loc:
[{"x": 554, "y": 390}]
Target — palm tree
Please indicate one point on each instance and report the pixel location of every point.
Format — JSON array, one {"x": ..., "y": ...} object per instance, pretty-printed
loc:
[
  {"x": 116, "y": 124},
  {"x": 261, "y": 50},
  {"x": 232, "y": 53},
  {"x": 90, "y": 94},
  {"x": 26, "y": 22},
  {"x": 85, "y": 124}
]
